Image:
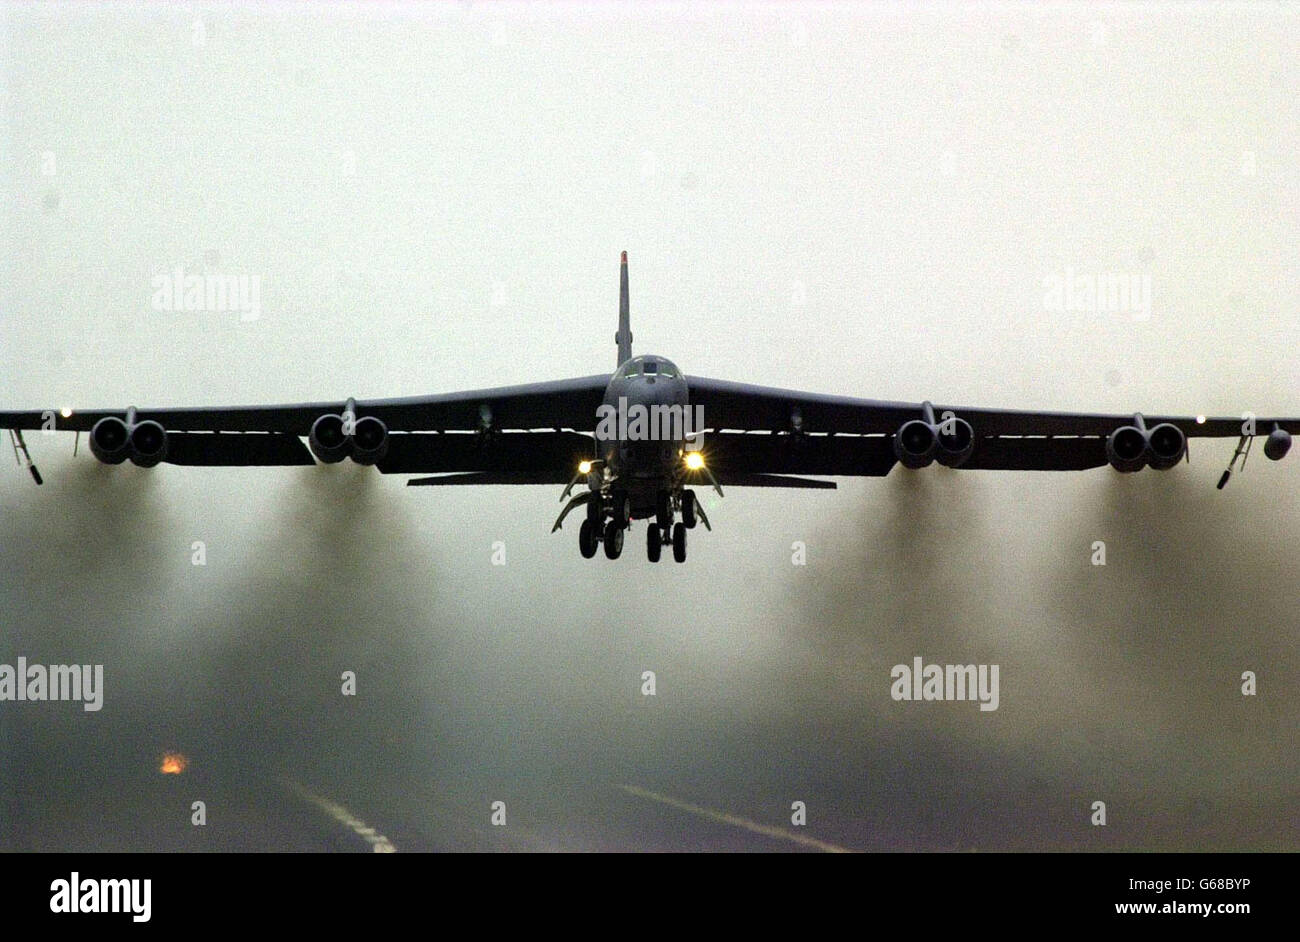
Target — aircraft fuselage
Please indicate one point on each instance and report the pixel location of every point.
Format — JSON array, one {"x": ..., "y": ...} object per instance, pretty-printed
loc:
[{"x": 645, "y": 458}]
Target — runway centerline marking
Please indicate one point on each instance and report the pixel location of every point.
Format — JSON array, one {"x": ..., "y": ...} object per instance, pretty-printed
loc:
[
  {"x": 723, "y": 817},
  {"x": 378, "y": 843}
]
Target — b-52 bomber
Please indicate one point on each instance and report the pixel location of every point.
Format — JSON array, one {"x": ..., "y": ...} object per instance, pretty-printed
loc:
[{"x": 636, "y": 443}]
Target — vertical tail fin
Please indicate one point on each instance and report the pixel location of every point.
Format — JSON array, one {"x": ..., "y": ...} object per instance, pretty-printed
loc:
[{"x": 624, "y": 336}]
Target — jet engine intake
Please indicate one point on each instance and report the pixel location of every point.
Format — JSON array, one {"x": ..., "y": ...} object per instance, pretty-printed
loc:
[
  {"x": 110, "y": 440},
  {"x": 148, "y": 443},
  {"x": 1166, "y": 445},
  {"x": 327, "y": 440},
  {"x": 956, "y": 441},
  {"x": 915, "y": 444},
  {"x": 369, "y": 440},
  {"x": 1126, "y": 449}
]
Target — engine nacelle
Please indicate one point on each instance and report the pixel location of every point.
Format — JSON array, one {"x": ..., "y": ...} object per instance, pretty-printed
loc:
[
  {"x": 327, "y": 440},
  {"x": 915, "y": 444},
  {"x": 1166, "y": 445},
  {"x": 110, "y": 440},
  {"x": 369, "y": 440},
  {"x": 1277, "y": 444},
  {"x": 956, "y": 440},
  {"x": 1126, "y": 449},
  {"x": 148, "y": 443}
]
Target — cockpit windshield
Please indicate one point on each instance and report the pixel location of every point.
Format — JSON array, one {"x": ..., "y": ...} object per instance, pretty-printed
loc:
[{"x": 648, "y": 366}]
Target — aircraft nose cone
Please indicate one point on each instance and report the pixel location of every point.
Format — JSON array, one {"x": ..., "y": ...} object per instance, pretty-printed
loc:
[{"x": 659, "y": 391}]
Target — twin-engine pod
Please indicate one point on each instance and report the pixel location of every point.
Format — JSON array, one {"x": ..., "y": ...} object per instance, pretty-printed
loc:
[
  {"x": 949, "y": 440},
  {"x": 364, "y": 440},
  {"x": 1134, "y": 447},
  {"x": 112, "y": 441}
]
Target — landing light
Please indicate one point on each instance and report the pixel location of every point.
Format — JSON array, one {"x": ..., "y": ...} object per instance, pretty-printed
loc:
[
  {"x": 1200, "y": 420},
  {"x": 66, "y": 412},
  {"x": 694, "y": 460},
  {"x": 584, "y": 467}
]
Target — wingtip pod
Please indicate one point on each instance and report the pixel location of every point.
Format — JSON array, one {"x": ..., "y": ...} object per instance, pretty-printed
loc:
[
  {"x": 1277, "y": 444},
  {"x": 623, "y": 260}
]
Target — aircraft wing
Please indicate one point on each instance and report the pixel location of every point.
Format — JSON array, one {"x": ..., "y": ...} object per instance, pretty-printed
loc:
[
  {"x": 792, "y": 432},
  {"x": 566, "y": 403},
  {"x": 527, "y": 425}
]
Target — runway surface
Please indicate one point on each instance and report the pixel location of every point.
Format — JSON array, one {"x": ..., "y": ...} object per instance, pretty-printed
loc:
[{"x": 376, "y": 799}]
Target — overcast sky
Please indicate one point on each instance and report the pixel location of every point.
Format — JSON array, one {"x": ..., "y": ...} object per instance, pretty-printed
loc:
[{"x": 870, "y": 200}]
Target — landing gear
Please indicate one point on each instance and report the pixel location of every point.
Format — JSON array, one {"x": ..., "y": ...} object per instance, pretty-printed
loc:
[
  {"x": 587, "y": 539},
  {"x": 609, "y": 517},
  {"x": 613, "y": 540},
  {"x": 664, "y": 510},
  {"x": 688, "y": 510},
  {"x": 654, "y": 543},
  {"x": 622, "y": 511}
]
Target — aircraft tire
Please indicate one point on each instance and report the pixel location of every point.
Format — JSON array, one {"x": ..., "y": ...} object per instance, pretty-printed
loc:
[
  {"x": 613, "y": 540},
  {"x": 622, "y": 510},
  {"x": 688, "y": 509},
  {"x": 664, "y": 510},
  {"x": 587, "y": 539}
]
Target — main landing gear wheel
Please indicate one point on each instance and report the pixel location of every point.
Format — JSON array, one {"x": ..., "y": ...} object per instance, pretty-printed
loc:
[
  {"x": 587, "y": 539},
  {"x": 679, "y": 542},
  {"x": 688, "y": 509},
  {"x": 613, "y": 540},
  {"x": 654, "y": 543},
  {"x": 622, "y": 510},
  {"x": 664, "y": 510}
]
